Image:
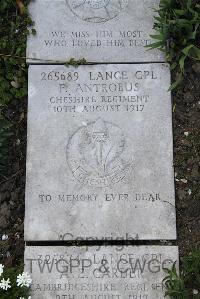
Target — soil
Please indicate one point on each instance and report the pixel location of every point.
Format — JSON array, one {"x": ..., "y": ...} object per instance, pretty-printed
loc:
[
  {"x": 186, "y": 123},
  {"x": 12, "y": 188}
]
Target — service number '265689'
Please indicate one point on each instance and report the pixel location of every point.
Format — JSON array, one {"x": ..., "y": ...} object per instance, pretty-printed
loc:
[{"x": 62, "y": 76}]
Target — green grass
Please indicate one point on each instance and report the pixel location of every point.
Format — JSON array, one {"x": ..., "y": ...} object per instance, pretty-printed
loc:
[{"x": 185, "y": 285}]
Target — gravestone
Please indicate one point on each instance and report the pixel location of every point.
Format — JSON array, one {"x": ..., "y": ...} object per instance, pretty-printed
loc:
[
  {"x": 94, "y": 273},
  {"x": 99, "y": 158},
  {"x": 97, "y": 30}
]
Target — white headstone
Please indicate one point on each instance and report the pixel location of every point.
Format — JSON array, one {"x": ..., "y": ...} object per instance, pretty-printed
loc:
[
  {"x": 97, "y": 30},
  {"x": 100, "y": 159},
  {"x": 96, "y": 273}
]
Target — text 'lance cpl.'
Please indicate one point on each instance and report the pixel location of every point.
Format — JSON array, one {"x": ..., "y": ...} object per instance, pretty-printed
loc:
[{"x": 121, "y": 75}]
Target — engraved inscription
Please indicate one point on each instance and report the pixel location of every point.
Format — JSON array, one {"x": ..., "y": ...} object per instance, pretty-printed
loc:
[
  {"x": 99, "y": 272},
  {"x": 100, "y": 148},
  {"x": 96, "y": 11},
  {"x": 94, "y": 154}
]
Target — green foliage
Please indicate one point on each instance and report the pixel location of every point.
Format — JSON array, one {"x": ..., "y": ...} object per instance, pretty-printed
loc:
[
  {"x": 175, "y": 285},
  {"x": 14, "y": 25},
  {"x": 75, "y": 63},
  {"x": 191, "y": 266},
  {"x": 13, "y": 34},
  {"x": 14, "y": 292},
  {"x": 183, "y": 286},
  {"x": 177, "y": 26}
]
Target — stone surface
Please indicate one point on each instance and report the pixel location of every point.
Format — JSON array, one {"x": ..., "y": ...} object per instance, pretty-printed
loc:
[
  {"x": 99, "y": 159},
  {"x": 97, "y": 30},
  {"x": 93, "y": 273}
]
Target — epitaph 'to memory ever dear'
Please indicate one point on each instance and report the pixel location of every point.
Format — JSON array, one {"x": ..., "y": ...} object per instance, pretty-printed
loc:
[{"x": 99, "y": 159}]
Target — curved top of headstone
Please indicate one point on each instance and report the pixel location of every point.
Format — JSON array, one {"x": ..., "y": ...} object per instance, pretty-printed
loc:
[{"x": 98, "y": 30}]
